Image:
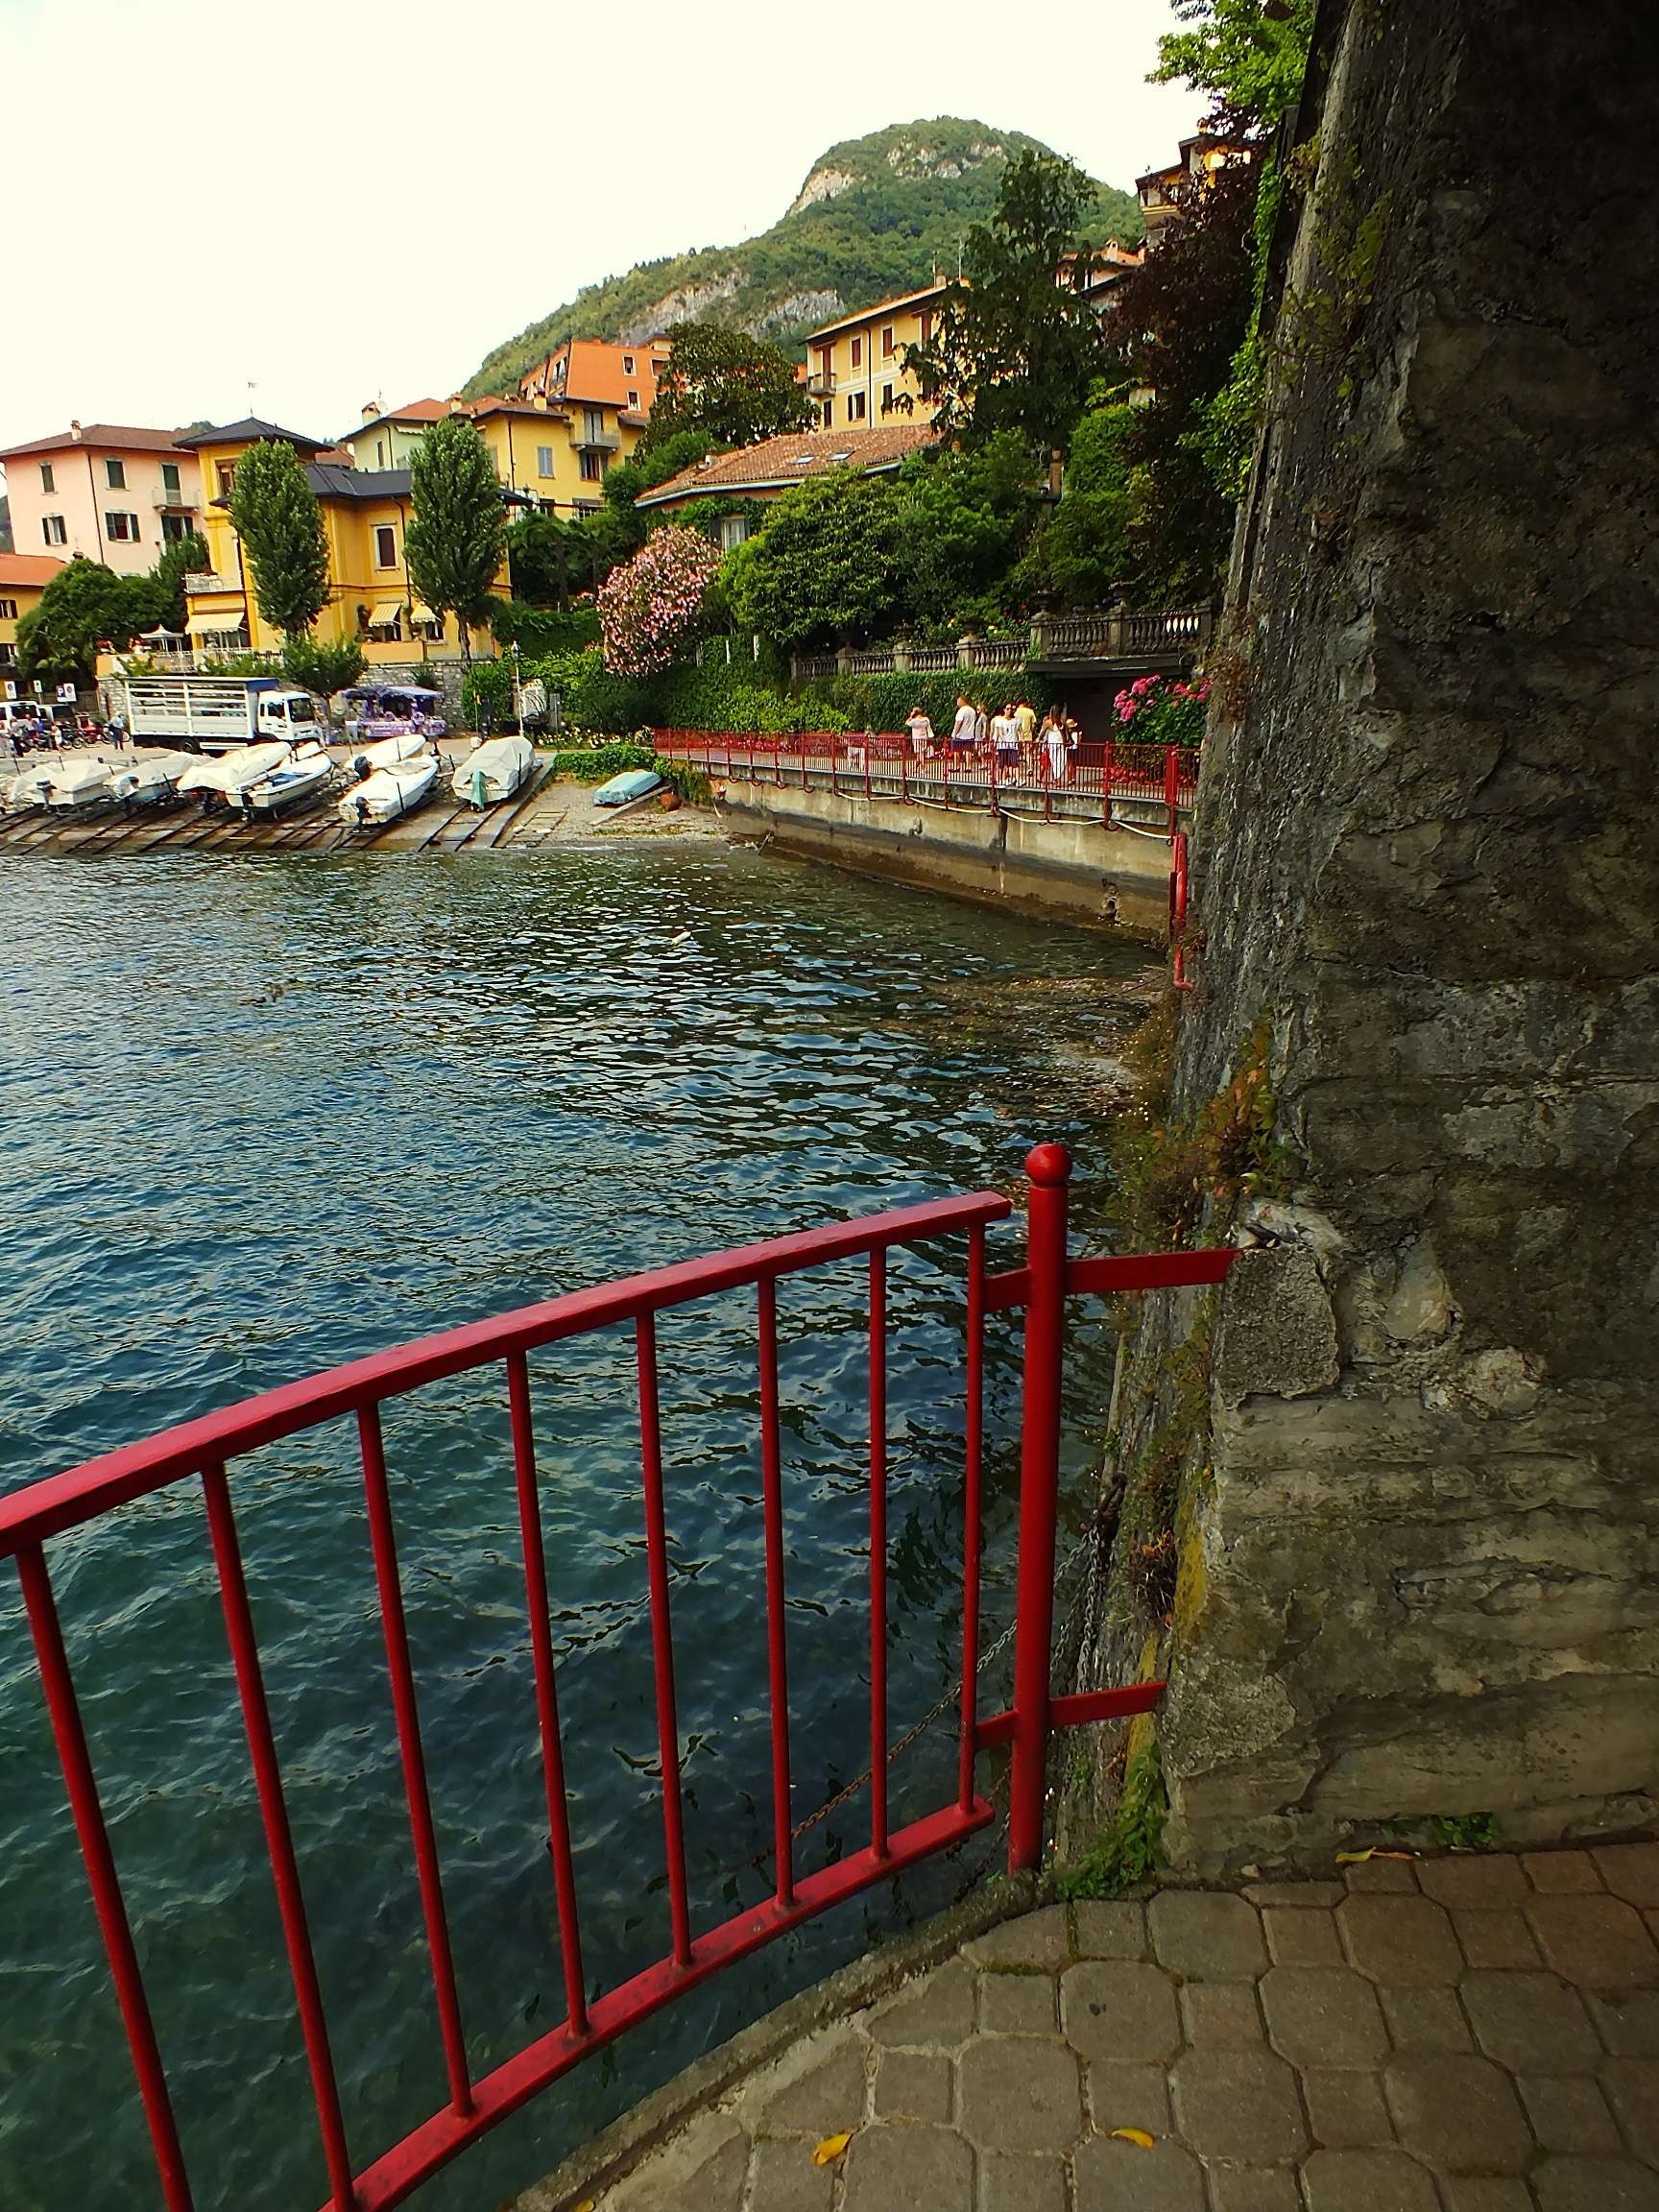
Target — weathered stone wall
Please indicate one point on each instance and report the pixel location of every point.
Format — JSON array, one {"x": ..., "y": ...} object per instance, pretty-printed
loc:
[{"x": 1420, "y": 1568}]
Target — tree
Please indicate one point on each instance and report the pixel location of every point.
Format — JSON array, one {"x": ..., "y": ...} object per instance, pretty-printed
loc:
[
  {"x": 824, "y": 564},
  {"x": 1014, "y": 348},
  {"x": 182, "y": 557},
  {"x": 964, "y": 519},
  {"x": 83, "y": 606},
  {"x": 457, "y": 537},
  {"x": 1084, "y": 553},
  {"x": 651, "y": 605},
  {"x": 324, "y": 665},
  {"x": 1250, "y": 57},
  {"x": 730, "y": 387},
  {"x": 276, "y": 515}
]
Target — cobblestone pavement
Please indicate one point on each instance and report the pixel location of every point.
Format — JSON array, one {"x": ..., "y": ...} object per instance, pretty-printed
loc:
[{"x": 1460, "y": 2034}]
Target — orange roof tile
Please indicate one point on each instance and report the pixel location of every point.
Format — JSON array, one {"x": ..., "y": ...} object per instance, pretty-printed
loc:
[
  {"x": 595, "y": 373},
  {"x": 777, "y": 461},
  {"x": 102, "y": 437},
  {"x": 28, "y": 570}
]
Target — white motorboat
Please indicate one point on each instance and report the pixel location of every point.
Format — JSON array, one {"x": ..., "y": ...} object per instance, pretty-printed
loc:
[
  {"x": 231, "y": 773},
  {"x": 390, "y": 792},
  {"x": 30, "y": 788},
  {"x": 79, "y": 783},
  {"x": 302, "y": 774},
  {"x": 495, "y": 771},
  {"x": 149, "y": 777},
  {"x": 402, "y": 745}
]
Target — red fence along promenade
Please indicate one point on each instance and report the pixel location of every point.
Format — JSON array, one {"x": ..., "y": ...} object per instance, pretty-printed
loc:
[
  {"x": 204, "y": 1451},
  {"x": 1127, "y": 788}
]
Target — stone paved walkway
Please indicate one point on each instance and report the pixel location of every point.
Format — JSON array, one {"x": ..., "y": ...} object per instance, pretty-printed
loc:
[{"x": 1460, "y": 2034}]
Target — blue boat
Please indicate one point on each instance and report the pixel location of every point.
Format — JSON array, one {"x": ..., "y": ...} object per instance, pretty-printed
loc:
[{"x": 632, "y": 784}]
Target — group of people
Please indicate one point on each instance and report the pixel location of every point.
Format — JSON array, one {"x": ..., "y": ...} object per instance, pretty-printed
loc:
[
  {"x": 1014, "y": 739},
  {"x": 39, "y": 732}
]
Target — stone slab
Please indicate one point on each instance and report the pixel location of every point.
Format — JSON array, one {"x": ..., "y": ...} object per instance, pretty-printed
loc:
[
  {"x": 1019, "y": 2093},
  {"x": 1242, "y": 2107},
  {"x": 890, "y": 2166},
  {"x": 913, "y": 2086},
  {"x": 1534, "y": 2023},
  {"x": 1206, "y": 1936},
  {"x": 1324, "y": 2016},
  {"x": 1376, "y": 2180},
  {"x": 1458, "y": 2114},
  {"x": 1120, "y": 2012},
  {"x": 1111, "y": 2176}
]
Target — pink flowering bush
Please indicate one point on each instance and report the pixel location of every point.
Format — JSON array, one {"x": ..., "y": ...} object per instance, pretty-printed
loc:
[
  {"x": 1155, "y": 711},
  {"x": 651, "y": 605}
]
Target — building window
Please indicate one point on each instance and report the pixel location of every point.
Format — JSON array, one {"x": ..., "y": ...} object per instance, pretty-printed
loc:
[
  {"x": 591, "y": 471},
  {"x": 887, "y": 398},
  {"x": 120, "y": 529},
  {"x": 7, "y": 655},
  {"x": 48, "y": 482},
  {"x": 173, "y": 527},
  {"x": 887, "y": 342},
  {"x": 632, "y": 398},
  {"x": 227, "y": 479},
  {"x": 170, "y": 479},
  {"x": 380, "y": 452},
  {"x": 584, "y": 506},
  {"x": 8, "y": 610},
  {"x": 543, "y": 460},
  {"x": 115, "y": 475},
  {"x": 828, "y": 413},
  {"x": 592, "y": 424},
  {"x": 855, "y": 406},
  {"x": 858, "y": 352},
  {"x": 733, "y": 529},
  {"x": 926, "y": 328},
  {"x": 386, "y": 547},
  {"x": 627, "y": 364},
  {"x": 53, "y": 530}
]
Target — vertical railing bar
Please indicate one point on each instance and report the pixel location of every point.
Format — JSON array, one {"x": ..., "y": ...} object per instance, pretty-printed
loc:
[
  {"x": 546, "y": 1689},
  {"x": 73, "y": 1756},
  {"x": 662, "y": 1637},
  {"x": 972, "y": 1513},
  {"x": 777, "y": 1642},
  {"x": 278, "y": 1834},
  {"x": 383, "y": 1540},
  {"x": 878, "y": 1552}
]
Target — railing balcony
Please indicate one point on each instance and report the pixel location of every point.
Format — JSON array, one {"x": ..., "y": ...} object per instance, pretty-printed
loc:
[
  {"x": 175, "y": 502},
  {"x": 202, "y": 581},
  {"x": 821, "y": 384},
  {"x": 600, "y": 440}
]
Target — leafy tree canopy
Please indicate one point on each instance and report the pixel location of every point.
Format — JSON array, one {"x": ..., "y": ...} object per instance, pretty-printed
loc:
[
  {"x": 182, "y": 557},
  {"x": 825, "y": 565},
  {"x": 457, "y": 536},
  {"x": 324, "y": 665},
  {"x": 963, "y": 519},
  {"x": 726, "y": 387},
  {"x": 276, "y": 517},
  {"x": 1249, "y": 57},
  {"x": 1013, "y": 349},
  {"x": 84, "y": 605}
]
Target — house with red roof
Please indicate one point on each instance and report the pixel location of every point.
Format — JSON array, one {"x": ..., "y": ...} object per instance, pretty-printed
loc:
[{"x": 115, "y": 492}]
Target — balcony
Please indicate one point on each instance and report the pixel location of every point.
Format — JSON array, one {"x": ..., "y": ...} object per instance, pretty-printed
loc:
[
  {"x": 200, "y": 581},
  {"x": 173, "y": 502},
  {"x": 598, "y": 440},
  {"x": 821, "y": 384}
]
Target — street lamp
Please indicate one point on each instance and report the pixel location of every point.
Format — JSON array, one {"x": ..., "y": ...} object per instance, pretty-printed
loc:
[{"x": 518, "y": 692}]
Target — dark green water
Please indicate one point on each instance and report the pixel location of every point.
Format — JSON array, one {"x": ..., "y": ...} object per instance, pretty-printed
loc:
[{"x": 265, "y": 1116}]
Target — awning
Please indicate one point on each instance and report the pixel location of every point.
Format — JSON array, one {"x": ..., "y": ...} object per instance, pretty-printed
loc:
[
  {"x": 421, "y": 612},
  {"x": 385, "y": 613},
  {"x": 229, "y": 624}
]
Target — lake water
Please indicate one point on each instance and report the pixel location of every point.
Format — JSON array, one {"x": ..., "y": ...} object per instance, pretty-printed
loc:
[{"x": 268, "y": 1115}]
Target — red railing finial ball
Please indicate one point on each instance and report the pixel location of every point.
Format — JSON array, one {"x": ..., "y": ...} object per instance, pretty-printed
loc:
[{"x": 1048, "y": 1164}]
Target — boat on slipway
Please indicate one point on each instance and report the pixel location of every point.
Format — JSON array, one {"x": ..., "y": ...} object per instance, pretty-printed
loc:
[
  {"x": 402, "y": 745},
  {"x": 77, "y": 785},
  {"x": 495, "y": 771},
  {"x": 300, "y": 776},
  {"x": 389, "y": 792},
  {"x": 149, "y": 779},
  {"x": 230, "y": 774}
]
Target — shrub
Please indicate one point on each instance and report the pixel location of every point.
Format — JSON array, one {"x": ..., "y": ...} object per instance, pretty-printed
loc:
[
  {"x": 1155, "y": 711},
  {"x": 486, "y": 692},
  {"x": 650, "y": 606},
  {"x": 322, "y": 666}
]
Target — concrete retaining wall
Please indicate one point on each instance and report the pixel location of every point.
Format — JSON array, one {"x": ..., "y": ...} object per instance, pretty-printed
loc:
[{"x": 1079, "y": 871}]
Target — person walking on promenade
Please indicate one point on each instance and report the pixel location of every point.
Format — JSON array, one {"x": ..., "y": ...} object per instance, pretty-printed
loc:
[
  {"x": 1055, "y": 753},
  {"x": 982, "y": 729},
  {"x": 1005, "y": 739},
  {"x": 1025, "y": 725},
  {"x": 920, "y": 724},
  {"x": 962, "y": 729}
]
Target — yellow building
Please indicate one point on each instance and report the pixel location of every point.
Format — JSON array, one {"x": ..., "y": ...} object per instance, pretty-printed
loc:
[
  {"x": 855, "y": 372},
  {"x": 23, "y": 577},
  {"x": 365, "y": 519}
]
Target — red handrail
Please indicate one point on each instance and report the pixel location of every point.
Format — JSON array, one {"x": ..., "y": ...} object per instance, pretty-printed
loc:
[{"x": 206, "y": 1447}]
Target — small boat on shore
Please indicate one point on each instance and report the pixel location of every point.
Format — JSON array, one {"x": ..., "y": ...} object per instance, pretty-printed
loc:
[
  {"x": 633, "y": 784},
  {"x": 493, "y": 772},
  {"x": 29, "y": 788},
  {"x": 149, "y": 779},
  {"x": 402, "y": 745},
  {"x": 79, "y": 784},
  {"x": 389, "y": 792},
  {"x": 228, "y": 775},
  {"x": 297, "y": 777}
]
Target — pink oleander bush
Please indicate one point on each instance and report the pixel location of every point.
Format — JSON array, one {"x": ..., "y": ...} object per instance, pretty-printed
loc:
[
  {"x": 651, "y": 606},
  {"x": 1153, "y": 711}
]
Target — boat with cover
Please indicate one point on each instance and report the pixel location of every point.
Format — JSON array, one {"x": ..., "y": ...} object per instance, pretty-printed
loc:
[
  {"x": 30, "y": 789},
  {"x": 78, "y": 785},
  {"x": 402, "y": 745},
  {"x": 389, "y": 792},
  {"x": 149, "y": 777},
  {"x": 229, "y": 774},
  {"x": 493, "y": 772},
  {"x": 304, "y": 773},
  {"x": 633, "y": 784}
]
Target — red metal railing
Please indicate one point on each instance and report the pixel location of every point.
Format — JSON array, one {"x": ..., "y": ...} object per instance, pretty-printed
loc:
[
  {"x": 1160, "y": 781},
  {"x": 205, "y": 1450}
]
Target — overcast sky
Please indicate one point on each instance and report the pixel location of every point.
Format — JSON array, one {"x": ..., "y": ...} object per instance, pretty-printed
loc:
[{"x": 333, "y": 202}]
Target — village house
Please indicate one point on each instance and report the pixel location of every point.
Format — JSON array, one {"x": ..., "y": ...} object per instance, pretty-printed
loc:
[
  {"x": 115, "y": 494},
  {"x": 855, "y": 372},
  {"x": 23, "y": 577},
  {"x": 760, "y": 473},
  {"x": 1161, "y": 190}
]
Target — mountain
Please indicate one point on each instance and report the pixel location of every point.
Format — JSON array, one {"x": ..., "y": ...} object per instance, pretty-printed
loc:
[{"x": 875, "y": 216}]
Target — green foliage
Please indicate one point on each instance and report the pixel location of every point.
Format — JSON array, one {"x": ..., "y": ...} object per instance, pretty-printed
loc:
[
  {"x": 276, "y": 515},
  {"x": 1250, "y": 60},
  {"x": 1129, "y": 1849},
  {"x": 598, "y": 764},
  {"x": 540, "y": 559},
  {"x": 824, "y": 565},
  {"x": 179, "y": 558},
  {"x": 1013, "y": 350},
  {"x": 963, "y": 519},
  {"x": 456, "y": 538},
  {"x": 911, "y": 194},
  {"x": 1083, "y": 556},
  {"x": 85, "y": 604},
  {"x": 239, "y": 664},
  {"x": 689, "y": 782},
  {"x": 322, "y": 666},
  {"x": 1169, "y": 1171},
  {"x": 543, "y": 629},
  {"x": 1465, "y": 1831},
  {"x": 487, "y": 694},
  {"x": 723, "y": 385}
]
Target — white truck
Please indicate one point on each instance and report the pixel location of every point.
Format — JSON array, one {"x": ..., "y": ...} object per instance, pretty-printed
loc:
[{"x": 216, "y": 714}]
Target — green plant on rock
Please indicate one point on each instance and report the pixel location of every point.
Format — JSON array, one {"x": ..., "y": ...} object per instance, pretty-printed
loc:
[
  {"x": 1129, "y": 1849},
  {"x": 1175, "y": 1177},
  {"x": 1465, "y": 1831}
]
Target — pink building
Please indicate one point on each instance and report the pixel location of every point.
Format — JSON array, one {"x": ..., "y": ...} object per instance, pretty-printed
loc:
[{"x": 116, "y": 494}]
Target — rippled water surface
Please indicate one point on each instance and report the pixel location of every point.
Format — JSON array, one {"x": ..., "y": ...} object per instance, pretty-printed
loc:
[{"x": 267, "y": 1115}]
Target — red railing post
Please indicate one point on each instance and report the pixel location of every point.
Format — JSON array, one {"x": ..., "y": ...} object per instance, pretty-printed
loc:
[
  {"x": 1049, "y": 1167},
  {"x": 1172, "y": 788},
  {"x": 1106, "y": 788}
]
